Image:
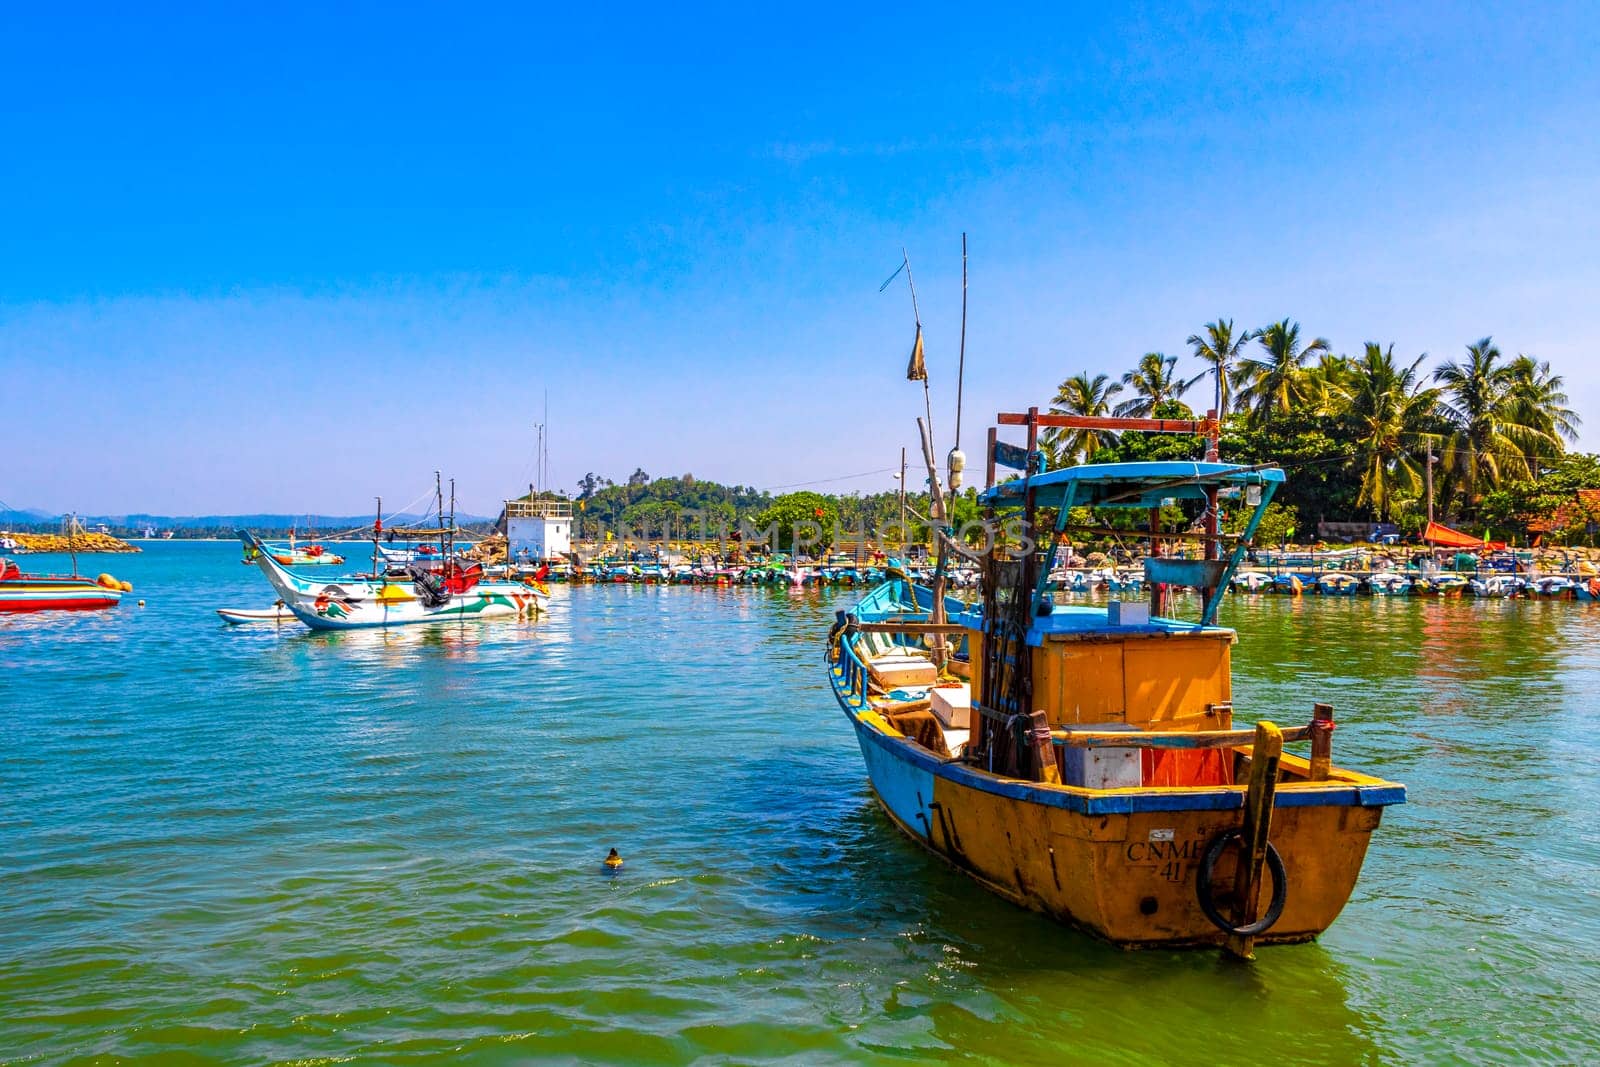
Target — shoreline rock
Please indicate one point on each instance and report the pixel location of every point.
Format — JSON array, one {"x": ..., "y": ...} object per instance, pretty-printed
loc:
[{"x": 83, "y": 543}]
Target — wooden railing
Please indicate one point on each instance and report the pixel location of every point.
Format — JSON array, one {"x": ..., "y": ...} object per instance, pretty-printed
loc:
[{"x": 1319, "y": 731}]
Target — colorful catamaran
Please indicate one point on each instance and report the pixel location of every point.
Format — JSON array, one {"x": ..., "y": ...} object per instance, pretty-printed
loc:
[{"x": 1084, "y": 761}]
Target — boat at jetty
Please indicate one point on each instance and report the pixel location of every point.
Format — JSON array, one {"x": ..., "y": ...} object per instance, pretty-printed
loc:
[
  {"x": 21, "y": 592},
  {"x": 448, "y": 590},
  {"x": 1084, "y": 761}
]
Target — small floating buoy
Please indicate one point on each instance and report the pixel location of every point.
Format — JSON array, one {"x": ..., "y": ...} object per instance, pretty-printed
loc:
[{"x": 613, "y": 861}]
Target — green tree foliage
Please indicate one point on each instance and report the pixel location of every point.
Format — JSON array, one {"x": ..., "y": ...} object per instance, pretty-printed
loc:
[
  {"x": 1391, "y": 416},
  {"x": 1137, "y": 446},
  {"x": 810, "y": 515},
  {"x": 1154, "y": 382},
  {"x": 1539, "y": 401},
  {"x": 1279, "y": 523},
  {"x": 1274, "y": 383},
  {"x": 1353, "y": 432},
  {"x": 1551, "y": 503},
  {"x": 1494, "y": 436},
  {"x": 1080, "y": 395},
  {"x": 1220, "y": 348},
  {"x": 683, "y": 505}
]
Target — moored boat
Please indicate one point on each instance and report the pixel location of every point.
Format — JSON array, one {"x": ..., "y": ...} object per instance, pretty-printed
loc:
[
  {"x": 279, "y": 613},
  {"x": 1443, "y": 584},
  {"x": 1337, "y": 583},
  {"x": 449, "y": 590},
  {"x": 291, "y": 554},
  {"x": 21, "y": 592},
  {"x": 1083, "y": 761},
  {"x": 1389, "y": 583},
  {"x": 1494, "y": 585},
  {"x": 1252, "y": 581},
  {"x": 1553, "y": 587}
]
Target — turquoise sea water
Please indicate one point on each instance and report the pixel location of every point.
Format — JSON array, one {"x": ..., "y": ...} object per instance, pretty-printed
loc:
[{"x": 251, "y": 845}]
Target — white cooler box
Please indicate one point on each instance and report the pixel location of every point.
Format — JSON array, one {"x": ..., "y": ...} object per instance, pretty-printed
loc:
[
  {"x": 1104, "y": 768},
  {"x": 953, "y": 705}
]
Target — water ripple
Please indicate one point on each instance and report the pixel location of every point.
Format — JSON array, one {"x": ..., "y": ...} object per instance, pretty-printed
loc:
[{"x": 260, "y": 845}]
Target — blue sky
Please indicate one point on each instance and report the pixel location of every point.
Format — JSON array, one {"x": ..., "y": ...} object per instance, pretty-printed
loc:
[{"x": 267, "y": 261}]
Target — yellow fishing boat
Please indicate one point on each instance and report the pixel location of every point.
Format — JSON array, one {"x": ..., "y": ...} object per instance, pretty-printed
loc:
[{"x": 1086, "y": 762}]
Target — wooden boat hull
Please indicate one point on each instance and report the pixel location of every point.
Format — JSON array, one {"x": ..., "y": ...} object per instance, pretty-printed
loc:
[
  {"x": 1120, "y": 864},
  {"x": 42, "y": 593}
]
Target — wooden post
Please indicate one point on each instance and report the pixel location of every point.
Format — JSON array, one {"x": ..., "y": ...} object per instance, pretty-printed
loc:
[
  {"x": 1044, "y": 751},
  {"x": 1321, "y": 741},
  {"x": 1264, "y": 757},
  {"x": 1029, "y": 508},
  {"x": 1213, "y": 546},
  {"x": 1158, "y": 590},
  {"x": 988, "y": 481}
]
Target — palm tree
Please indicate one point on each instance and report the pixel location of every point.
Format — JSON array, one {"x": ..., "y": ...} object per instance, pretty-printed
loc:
[
  {"x": 1326, "y": 386},
  {"x": 1489, "y": 441},
  {"x": 1276, "y": 381},
  {"x": 1079, "y": 395},
  {"x": 1540, "y": 400},
  {"x": 1153, "y": 383},
  {"x": 1391, "y": 412},
  {"x": 1220, "y": 347}
]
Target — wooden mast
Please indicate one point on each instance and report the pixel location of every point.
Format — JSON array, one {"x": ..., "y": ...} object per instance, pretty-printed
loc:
[
  {"x": 936, "y": 512},
  {"x": 377, "y": 531}
]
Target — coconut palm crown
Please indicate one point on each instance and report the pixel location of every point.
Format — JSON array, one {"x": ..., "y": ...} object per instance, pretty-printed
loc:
[
  {"x": 1080, "y": 395},
  {"x": 1154, "y": 382},
  {"x": 1220, "y": 347},
  {"x": 1275, "y": 381}
]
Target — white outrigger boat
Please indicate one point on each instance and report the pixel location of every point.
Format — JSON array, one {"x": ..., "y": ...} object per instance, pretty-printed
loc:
[
  {"x": 278, "y": 613},
  {"x": 448, "y": 591}
]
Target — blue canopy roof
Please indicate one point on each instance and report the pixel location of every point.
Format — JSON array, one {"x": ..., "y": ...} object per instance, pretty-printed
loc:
[{"x": 1130, "y": 485}]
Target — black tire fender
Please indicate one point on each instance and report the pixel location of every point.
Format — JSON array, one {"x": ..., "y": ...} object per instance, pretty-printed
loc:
[{"x": 1207, "y": 898}]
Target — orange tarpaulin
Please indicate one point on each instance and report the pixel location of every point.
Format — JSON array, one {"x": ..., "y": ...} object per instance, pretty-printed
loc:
[{"x": 1437, "y": 534}]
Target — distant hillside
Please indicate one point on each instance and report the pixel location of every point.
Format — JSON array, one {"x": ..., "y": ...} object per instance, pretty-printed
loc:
[{"x": 134, "y": 525}]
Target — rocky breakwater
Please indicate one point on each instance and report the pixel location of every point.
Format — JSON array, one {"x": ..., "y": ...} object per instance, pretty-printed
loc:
[{"x": 78, "y": 542}]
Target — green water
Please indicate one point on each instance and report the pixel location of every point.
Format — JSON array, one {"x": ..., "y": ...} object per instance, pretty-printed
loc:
[{"x": 249, "y": 845}]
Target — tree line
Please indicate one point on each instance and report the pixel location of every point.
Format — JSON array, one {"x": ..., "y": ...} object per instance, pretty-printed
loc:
[{"x": 1356, "y": 433}]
